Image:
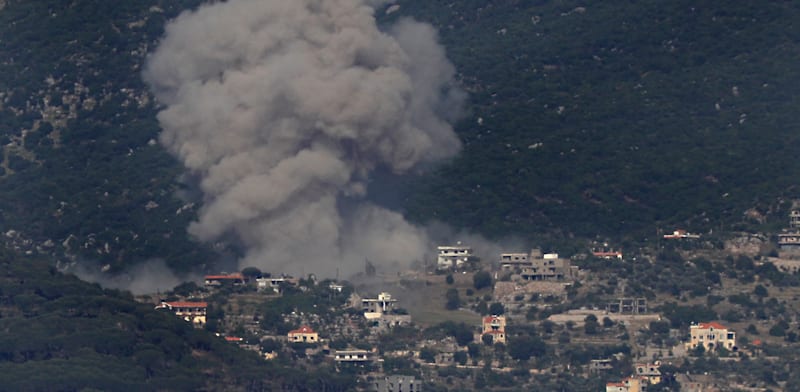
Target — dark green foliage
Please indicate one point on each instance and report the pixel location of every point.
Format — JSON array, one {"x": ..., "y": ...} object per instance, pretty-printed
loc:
[
  {"x": 660, "y": 114},
  {"x": 449, "y": 279},
  {"x": 497, "y": 309},
  {"x": 525, "y": 347},
  {"x": 64, "y": 334},
  {"x": 682, "y": 316},
  {"x": 453, "y": 299},
  {"x": 590, "y": 325},
  {"x": 482, "y": 279}
]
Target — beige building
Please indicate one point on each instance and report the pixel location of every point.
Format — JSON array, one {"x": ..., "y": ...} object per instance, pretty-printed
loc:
[
  {"x": 495, "y": 326},
  {"x": 648, "y": 372},
  {"x": 194, "y": 312},
  {"x": 303, "y": 334},
  {"x": 630, "y": 384},
  {"x": 711, "y": 336},
  {"x": 549, "y": 267}
]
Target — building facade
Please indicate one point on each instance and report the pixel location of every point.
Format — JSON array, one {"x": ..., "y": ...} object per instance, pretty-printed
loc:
[
  {"x": 193, "y": 312},
  {"x": 397, "y": 384},
  {"x": 452, "y": 257},
  {"x": 711, "y": 336},
  {"x": 303, "y": 334},
  {"x": 496, "y": 327}
]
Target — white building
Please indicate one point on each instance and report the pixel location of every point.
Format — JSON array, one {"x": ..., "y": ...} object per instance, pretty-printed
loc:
[
  {"x": 449, "y": 257},
  {"x": 375, "y": 307}
]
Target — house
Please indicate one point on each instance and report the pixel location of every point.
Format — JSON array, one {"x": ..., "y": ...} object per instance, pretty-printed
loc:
[
  {"x": 236, "y": 279},
  {"x": 496, "y": 327},
  {"x": 549, "y": 267},
  {"x": 194, "y": 312},
  {"x": 515, "y": 261},
  {"x": 697, "y": 382},
  {"x": 629, "y": 384},
  {"x": 352, "y": 356},
  {"x": 600, "y": 365},
  {"x": 789, "y": 242},
  {"x": 234, "y": 339},
  {"x": 274, "y": 284},
  {"x": 452, "y": 257},
  {"x": 397, "y": 384},
  {"x": 374, "y": 308},
  {"x": 711, "y": 336},
  {"x": 648, "y": 372},
  {"x": 681, "y": 235},
  {"x": 303, "y": 334}
]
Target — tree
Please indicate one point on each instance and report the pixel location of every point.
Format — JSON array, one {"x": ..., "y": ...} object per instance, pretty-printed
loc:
[
  {"x": 251, "y": 272},
  {"x": 761, "y": 291},
  {"x": 482, "y": 279},
  {"x": 427, "y": 354},
  {"x": 474, "y": 350},
  {"x": 460, "y": 357},
  {"x": 487, "y": 339},
  {"x": 524, "y": 348},
  {"x": 453, "y": 300},
  {"x": 449, "y": 279},
  {"x": 497, "y": 309},
  {"x": 590, "y": 325}
]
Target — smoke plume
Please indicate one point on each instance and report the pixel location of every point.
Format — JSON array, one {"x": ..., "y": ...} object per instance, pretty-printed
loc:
[{"x": 284, "y": 108}]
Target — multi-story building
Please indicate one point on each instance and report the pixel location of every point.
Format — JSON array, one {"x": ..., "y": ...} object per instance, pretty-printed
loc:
[
  {"x": 376, "y": 307},
  {"x": 452, "y": 257},
  {"x": 303, "y": 334},
  {"x": 515, "y": 261},
  {"x": 496, "y": 327},
  {"x": 230, "y": 279},
  {"x": 649, "y": 372},
  {"x": 194, "y": 312},
  {"x": 398, "y": 384},
  {"x": 549, "y": 267},
  {"x": 711, "y": 336}
]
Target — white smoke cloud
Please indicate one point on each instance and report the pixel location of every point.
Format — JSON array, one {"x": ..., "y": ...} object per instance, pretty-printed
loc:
[
  {"x": 145, "y": 278},
  {"x": 284, "y": 108}
]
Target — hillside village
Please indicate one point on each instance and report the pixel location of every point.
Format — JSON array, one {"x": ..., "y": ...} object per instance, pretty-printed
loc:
[{"x": 525, "y": 318}]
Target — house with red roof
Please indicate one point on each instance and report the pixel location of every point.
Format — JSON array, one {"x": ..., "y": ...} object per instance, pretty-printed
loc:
[
  {"x": 303, "y": 334},
  {"x": 496, "y": 327},
  {"x": 193, "y": 312},
  {"x": 711, "y": 336}
]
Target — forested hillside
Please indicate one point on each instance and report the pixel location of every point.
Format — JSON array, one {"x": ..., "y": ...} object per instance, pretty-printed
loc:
[
  {"x": 612, "y": 119},
  {"x": 81, "y": 169},
  {"x": 62, "y": 334},
  {"x": 617, "y": 118}
]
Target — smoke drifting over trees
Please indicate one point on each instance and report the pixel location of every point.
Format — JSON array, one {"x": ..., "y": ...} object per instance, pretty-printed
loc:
[{"x": 284, "y": 108}]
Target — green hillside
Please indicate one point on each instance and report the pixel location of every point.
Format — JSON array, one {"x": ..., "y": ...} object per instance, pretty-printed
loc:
[
  {"x": 612, "y": 119},
  {"x": 80, "y": 165},
  {"x": 62, "y": 334},
  {"x": 615, "y": 118}
]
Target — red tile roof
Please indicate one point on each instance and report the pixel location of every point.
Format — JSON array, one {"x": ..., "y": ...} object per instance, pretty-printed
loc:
[
  {"x": 233, "y": 339},
  {"x": 489, "y": 319},
  {"x": 303, "y": 329},
  {"x": 712, "y": 325}
]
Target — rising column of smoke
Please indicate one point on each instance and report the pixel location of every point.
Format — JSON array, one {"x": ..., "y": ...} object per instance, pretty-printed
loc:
[{"x": 284, "y": 108}]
